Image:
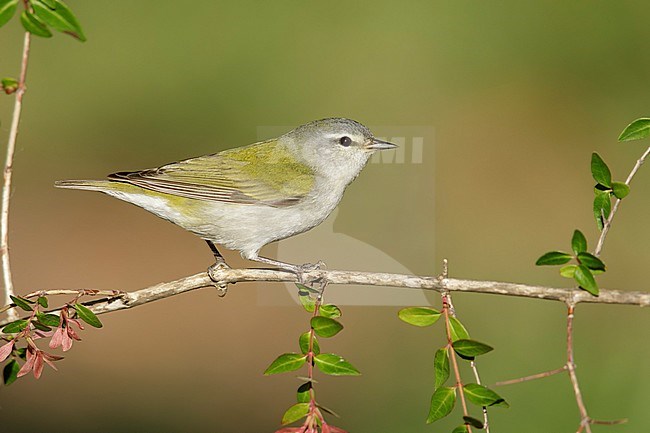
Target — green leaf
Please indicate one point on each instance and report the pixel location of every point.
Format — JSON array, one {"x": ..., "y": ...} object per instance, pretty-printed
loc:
[
  {"x": 483, "y": 396},
  {"x": 20, "y": 302},
  {"x": 49, "y": 3},
  {"x": 38, "y": 325},
  {"x": 441, "y": 366},
  {"x": 568, "y": 271},
  {"x": 460, "y": 429},
  {"x": 602, "y": 208},
  {"x": 307, "y": 289},
  {"x": 9, "y": 81},
  {"x": 335, "y": 365},
  {"x": 87, "y": 316},
  {"x": 578, "y": 242},
  {"x": 419, "y": 316},
  {"x": 442, "y": 403},
  {"x": 303, "y": 395},
  {"x": 9, "y": 85},
  {"x": 586, "y": 280},
  {"x": 325, "y": 327},
  {"x": 327, "y": 410},
  {"x": 620, "y": 190},
  {"x": 553, "y": 258},
  {"x": 21, "y": 353},
  {"x": 10, "y": 372},
  {"x": 34, "y": 25},
  {"x": 42, "y": 301},
  {"x": 295, "y": 412},
  {"x": 330, "y": 310},
  {"x": 286, "y": 362},
  {"x": 59, "y": 18},
  {"x": 457, "y": 330},
  {"x": 598, "y": 188},
  {"x": 636, "y": 130},
  {"x": 591, "y": 261},
  {"x": 48, "y": 319},
  {"x": 15, "y": 327},
  {"x": 471, "y": 348},
  {"x": 303, "y": 341},
  {"x": 600, "y": 171},
  {"x": 7, "y": 10},
  {"x": 304, "y": 294},
  {"x": 473, "y": 422}
]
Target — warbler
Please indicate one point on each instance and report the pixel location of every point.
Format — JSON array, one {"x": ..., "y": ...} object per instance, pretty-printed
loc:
[{"x": 247, "y": 197}]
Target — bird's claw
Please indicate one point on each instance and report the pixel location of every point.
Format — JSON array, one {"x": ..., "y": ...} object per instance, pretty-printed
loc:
[
  {"x": 222, "y": 288},
  {"x": 308, "y": 267}
]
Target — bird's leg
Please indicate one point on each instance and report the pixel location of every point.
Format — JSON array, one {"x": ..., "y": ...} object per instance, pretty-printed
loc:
[
  {"x": 219, "y": 264},
  {"x": 218, "y": 258},
  {"x": 299, "y": 270}
]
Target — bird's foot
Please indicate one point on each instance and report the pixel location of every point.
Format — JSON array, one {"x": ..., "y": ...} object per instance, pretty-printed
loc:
[
  {"x": 299, "y": 270},
  {"x": 308, "y": 267},
  {"x": 222, "y": 288}
]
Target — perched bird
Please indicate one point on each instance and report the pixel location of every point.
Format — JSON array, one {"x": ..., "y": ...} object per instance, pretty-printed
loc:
[{"x": 247, "y": 197}]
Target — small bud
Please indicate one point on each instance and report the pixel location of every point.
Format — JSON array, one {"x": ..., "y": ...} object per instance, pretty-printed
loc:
[{"x": 9, "y": 85}]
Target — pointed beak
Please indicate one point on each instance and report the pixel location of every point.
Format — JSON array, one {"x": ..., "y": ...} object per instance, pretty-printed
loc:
[{"x": 376, "y": 144}]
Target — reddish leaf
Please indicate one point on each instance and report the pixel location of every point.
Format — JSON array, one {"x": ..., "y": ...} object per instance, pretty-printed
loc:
[
  {"x": 77, "y": 322},
  {"x": 72, "y": 333},
  {"x": 27, "y": 366},
  {"x": 42, "y": 334},
  {"x": 48, "y": 362},
  {"x": 6, "y": 350},
  {"x": 38, "y": 364},
  {"x": 50, "y": 357},
  {"x": 66, "y": 344},
  {"x": 337, "y": 430},
  {"x": 57, "y": 338}
]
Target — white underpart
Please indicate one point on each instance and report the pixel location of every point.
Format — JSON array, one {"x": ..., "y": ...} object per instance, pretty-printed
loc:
[
  {"x": 246, "y": 228},
  {"x": 157, "y": 205}
]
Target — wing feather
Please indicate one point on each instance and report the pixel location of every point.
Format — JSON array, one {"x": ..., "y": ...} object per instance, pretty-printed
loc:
[{"x": 262, "y": 173}]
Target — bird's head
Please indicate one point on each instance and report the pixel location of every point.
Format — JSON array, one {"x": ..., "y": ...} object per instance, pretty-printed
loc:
[{"x": 334, "y": 147}]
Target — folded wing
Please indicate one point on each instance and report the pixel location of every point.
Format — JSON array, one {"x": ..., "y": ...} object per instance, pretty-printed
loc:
[{"x": 262, "y": 173}]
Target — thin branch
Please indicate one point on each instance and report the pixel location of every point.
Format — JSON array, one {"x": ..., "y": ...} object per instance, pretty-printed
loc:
[
  {"x": 446, "y": 301},
  {"x": 532, "y": 376},
  {"x": 6, "y": 187},
  {"x": 230, "y": 276},
  {"x": 78, "y": 293},
  {"x": 608, "y": 222},
  {"x": 452, "y": 356},
  {"x": 585, "y": 421},
  {"x": 486, "y": 420},
  {"x": 612, "y": 422}
]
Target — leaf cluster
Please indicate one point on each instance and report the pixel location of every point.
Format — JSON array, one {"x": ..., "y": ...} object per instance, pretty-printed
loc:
[
  {"x": 582, "y": 272},
  {"x": 444, "y": 397},
  {"x": 604, "y": 190},
  {"x": 588, "y": 265},
  {"x": 39, "y": 324},
  {"x": 40, "y": 17},
  {"x": 323, "y": 324}
]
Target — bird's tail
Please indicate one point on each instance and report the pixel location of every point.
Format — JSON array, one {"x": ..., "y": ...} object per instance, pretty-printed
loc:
[{"x": 91, "y": 185}]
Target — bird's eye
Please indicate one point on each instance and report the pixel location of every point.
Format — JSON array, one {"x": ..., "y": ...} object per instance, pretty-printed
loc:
[{"x": 345, "y": 141}]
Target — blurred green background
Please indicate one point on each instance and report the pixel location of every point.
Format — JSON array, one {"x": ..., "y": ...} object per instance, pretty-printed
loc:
[{"x": 518, "y": 95}]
